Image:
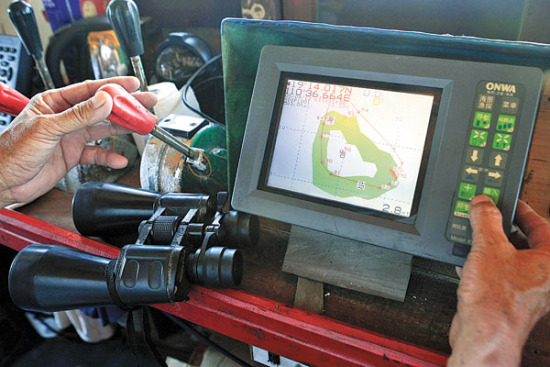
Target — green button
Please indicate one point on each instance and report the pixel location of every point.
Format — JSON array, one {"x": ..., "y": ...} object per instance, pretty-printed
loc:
[
  {"x": 482, "y": 120},
  {"x": 506, "y": 123},
  {"x": 462, "y": 209},
  {"x": 502, "y": 141},
  {"x": 478, "y": 138},
  {"x": 493, "y": 193},
  {"x": 467, "y": 191}
]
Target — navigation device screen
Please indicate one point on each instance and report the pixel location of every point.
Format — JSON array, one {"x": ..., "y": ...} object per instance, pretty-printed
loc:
[{"x": 358, "y": 146}]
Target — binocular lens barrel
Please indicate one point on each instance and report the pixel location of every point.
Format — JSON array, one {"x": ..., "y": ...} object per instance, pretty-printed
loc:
[
  {"x": 56, "y": 278},
  {"x": 104, "y": 208}
]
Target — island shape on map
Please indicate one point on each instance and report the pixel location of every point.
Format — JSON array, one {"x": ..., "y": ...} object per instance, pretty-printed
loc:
[{"x": 330, "y": 162}]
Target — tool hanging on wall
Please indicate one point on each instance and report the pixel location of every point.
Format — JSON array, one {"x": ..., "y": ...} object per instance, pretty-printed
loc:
[
  {"x": 24, "y": 21},
  {"x": 124, "y": 18}
]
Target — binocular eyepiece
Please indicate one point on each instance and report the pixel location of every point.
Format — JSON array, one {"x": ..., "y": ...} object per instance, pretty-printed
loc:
[{"x": 179, "y": 243}]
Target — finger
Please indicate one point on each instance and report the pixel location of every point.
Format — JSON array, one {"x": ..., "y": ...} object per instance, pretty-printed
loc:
[
  {"x": 93, "y": 112},
  {"x": 519, "y": 239},
  {"x": 486, "y": 222},
  {"x": 84, "y": 114},
  {"x": 61, "y": 99},
  {"x": 104, "y": 130},
  {"x": 147, "y": 99},
  {"x": 534, "y": 226},
  {"x": 93, "y": 154}
]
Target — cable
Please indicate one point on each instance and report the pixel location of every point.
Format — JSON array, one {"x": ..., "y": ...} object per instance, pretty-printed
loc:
[
  {"x": 191, "y": 330},
  {"x": 188, "y": 85},
  {"x": 207, "y": 80}
]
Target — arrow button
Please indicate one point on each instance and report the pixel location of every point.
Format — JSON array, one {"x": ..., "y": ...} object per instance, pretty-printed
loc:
[
  {"x": 498, "y": 160},
  {"x": 470, "y": 173},
  {"x": 474, "y": 155},
  {"x": 494, "y": 178}
]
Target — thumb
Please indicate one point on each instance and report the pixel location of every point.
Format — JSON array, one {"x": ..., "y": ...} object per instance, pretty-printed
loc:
[
  {"x": 84, "y": 114},
  {"x": 486, "y": 222}
]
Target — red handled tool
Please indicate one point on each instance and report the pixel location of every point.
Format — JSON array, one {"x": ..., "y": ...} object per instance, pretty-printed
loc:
[
  {"x": 11, "y": 101},
  {"x": 128, "y": 112}
]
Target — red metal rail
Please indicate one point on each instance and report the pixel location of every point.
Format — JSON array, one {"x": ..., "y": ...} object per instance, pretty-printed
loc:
[{"x": 294, "y": 333}]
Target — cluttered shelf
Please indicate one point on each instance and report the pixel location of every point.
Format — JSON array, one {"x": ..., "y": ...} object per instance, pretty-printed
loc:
[{"x": 355, "y": 328}]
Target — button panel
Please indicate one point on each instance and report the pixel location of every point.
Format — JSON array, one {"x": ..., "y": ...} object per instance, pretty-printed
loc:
[{"x": 489, "y": 146}]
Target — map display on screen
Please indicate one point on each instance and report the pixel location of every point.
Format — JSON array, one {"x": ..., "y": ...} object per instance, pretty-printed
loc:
[{"x": 358, "y": 146}]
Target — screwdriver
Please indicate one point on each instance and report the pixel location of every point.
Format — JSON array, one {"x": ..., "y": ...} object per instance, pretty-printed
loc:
[
  {"x": 11, "y": 101},
  {"x": 128, "y": 112},
  {"x": 124, "y": 18},
  {"x": 125, "y": 109},
  {"x": 24, "y": 21}
]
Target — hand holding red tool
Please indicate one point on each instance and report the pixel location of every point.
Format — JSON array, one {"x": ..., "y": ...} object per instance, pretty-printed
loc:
[{"x": 128, "y": 112}]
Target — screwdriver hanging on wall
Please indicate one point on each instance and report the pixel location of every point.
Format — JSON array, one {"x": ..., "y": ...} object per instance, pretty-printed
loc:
[
  {"x": 24, "y": 21},
  {"x": 124, "y": 18}
]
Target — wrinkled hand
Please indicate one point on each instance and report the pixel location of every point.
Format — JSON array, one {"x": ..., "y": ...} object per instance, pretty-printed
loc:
[
  {"x": 49, "y": 137},
  {"x": 504, "y": 291}
]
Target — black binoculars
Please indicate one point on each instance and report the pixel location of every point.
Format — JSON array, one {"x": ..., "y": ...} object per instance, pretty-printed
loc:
[{"x": 183, "y": 239}]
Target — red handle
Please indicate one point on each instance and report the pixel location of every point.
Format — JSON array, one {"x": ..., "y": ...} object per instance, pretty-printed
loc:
[
  {"x": 11, "y": 101},
  {"x": 128, "y": 112}
]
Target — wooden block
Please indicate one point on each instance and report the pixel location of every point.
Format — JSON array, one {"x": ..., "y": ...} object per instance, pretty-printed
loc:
[
  {"x": 348, "y": 264},
  {"x": 309, "y": 295}
]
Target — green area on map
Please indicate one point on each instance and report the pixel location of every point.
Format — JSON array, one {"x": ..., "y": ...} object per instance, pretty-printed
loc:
[{"x": 365, "y": 187}]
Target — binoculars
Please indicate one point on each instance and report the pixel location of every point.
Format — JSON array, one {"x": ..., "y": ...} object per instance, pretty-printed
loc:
[{"x": 183, "y": 239}]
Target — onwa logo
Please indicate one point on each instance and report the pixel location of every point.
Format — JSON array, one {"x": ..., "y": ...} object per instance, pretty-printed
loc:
[{"x": 501, "y": 87}]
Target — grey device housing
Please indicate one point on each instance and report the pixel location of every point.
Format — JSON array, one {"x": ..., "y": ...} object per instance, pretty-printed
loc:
[{"x": 424, "y": 233}]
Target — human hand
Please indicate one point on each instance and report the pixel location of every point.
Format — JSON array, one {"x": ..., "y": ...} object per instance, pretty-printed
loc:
[
  {"x": 49, "y": 137},
  {"x": 503, "y": 291}
]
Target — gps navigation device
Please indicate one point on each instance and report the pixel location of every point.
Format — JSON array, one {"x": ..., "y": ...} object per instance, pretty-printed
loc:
[{"x": 385, "y": 149}]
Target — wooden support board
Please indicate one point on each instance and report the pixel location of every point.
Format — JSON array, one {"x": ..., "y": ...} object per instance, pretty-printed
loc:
[
  {"x": 309, "y": 295},
  {"x": 348, "y": 264}
]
